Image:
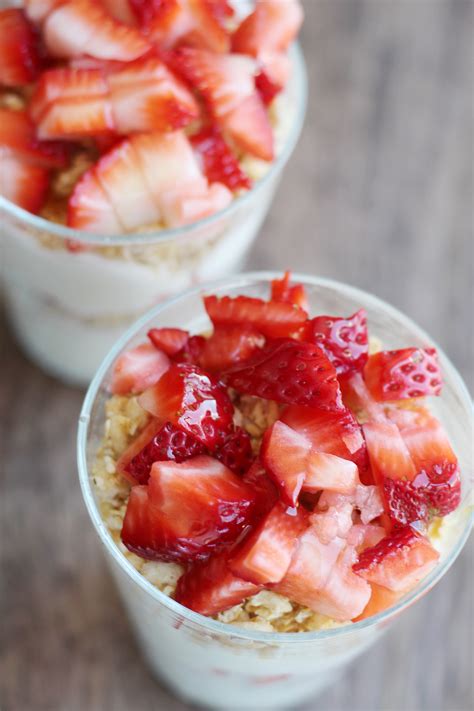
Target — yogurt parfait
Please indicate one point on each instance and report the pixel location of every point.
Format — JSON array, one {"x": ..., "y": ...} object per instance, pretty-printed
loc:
[{"x": 140, "y": 148}]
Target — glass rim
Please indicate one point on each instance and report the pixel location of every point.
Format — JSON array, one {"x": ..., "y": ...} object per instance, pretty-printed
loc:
[
  {"x": 168, "y": 235},
  {"x": 208, "y": 623}
]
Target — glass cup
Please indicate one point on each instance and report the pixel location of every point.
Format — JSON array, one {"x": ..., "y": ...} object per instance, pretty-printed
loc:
[
  {"x": 68, "y": 306},
  {"x": 219, "y": 665}
]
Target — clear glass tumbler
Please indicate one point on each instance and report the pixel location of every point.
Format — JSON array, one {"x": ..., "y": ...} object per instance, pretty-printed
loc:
[
  {"x": 69, "y": 306},
  {"x": 219, "y": 665}
]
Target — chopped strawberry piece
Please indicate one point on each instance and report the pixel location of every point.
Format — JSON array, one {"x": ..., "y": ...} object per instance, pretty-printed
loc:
[
  {"x": 136, "y": 446},
  {"x": 38, "y": 10},
  {"x": 273, "y": 25},
  {"x": 331, "y": 473},
  {"x": 344, "y": 340},
  {"x": 266, "y": 87},
  {"x": 84, "y": 27},
  {"x": 17, "y": 134},
  {"x": 381, "y": 599},
  {"x": 23, "y": 183},
  {"x": 399, "y": 561},
  {"x": 90, "y": 209},
  {"x": 284, "y": 291},
  {"x": 407, "y": 373},
  {"x": 210, "y": 587},
  {"x": 192, "y": 400},
  {"x": 388, "y": 454},
  {"x": 138, "y": 369},
  {"x": 229, "y": 345},
  {"x": 366, "y": 499},
  {"x": 285, "y": 455},
  {"x": 168, "y": 340},
  {"x": 266, "y": 553},
  {"x": 362, "y": 536},
  {"x": 235, "y": 451},
  {"x": 358, "y": 398},
  {"x": 227, "y": 83},
  {"x": 336, "y": 433},
  {"x": 272, "y": 319},
  {"x": 121, "y": 10},
  {"x": 19, "y": 52},
  {"x": 191, "y": 351},
  {"x": 288, "y": 372},
  {"x": 334, "y": 521},
  {"x": 187, "y": 511},
  {"x": 219, "y": 163},
  {"x": 267, "y": 493}
]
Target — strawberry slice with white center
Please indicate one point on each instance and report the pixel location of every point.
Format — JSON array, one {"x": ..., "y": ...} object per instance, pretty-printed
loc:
[
  {"x": 38, "y": 10},
  {"x": 84, "y": 27},
  {"x": 192, "y": 400},
  {"x": 326, "y": 471},
  {"x": 187, "y": 511},
  {"x": 344, "y": 340},
  {"x": 169, "y": 340},
  {"x": 227, "y": 83},
  {"x": 399, "y": 561},
  {"x": 190, "y": 22},
  {"x": 406, "y": 373},
  {"x": 90, "y": 209},
  {"x": 366, "y": 499},
  {"x": 336, "y": 433},
  {"x": 23, "y": 183},
  {"x": 362, "y": 536},
  {"x": 266, "y": 553},
  {"x": 287, "y": 293},
  {"x": 135, "y": 447},
  {"x": 229, "y": 345},
  {"x": 17, "y": 134},
  {"x": 285, "y": 454},
  {"x": 19, "y": 52},
  {"x": 289, "y": 372},
  {"x": 333, "y": 522},
  {"x": 270, "y": 318},
  {"x": 210, "y": 587},
  {"x": 138, "y": 369},
  {"x": 273, "y": 25},
  {"x": 219, "y": 163}
]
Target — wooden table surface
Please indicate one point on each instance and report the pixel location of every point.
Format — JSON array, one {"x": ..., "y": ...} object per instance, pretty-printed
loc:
[{"x": 378, "y": 194}]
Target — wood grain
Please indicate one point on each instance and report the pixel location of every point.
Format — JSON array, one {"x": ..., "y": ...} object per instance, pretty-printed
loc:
[{"x": 378, "y": 193}]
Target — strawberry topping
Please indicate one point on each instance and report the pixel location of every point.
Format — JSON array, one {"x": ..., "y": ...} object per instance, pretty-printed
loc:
[
  {"x": 235, "y": 451},
  {"x": 287, "y": 293},
  {"x": 138, "y": 369},
  {"x": 272, "y": 319},
  {"x": 19, "y": 50},
  {"x": 218, "y": 161},
  {"x": 228, "y": 345},
  {"x": 169, "y": 340},
  {"x": 344, "y": 340},
  {"x": 407, "y": 373}
]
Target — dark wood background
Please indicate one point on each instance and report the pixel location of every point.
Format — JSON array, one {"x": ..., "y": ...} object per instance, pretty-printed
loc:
[{"x": 379, "y": 194}]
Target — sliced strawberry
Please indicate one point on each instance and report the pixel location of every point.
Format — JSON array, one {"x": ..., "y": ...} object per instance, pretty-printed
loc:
[
  {"x": 267, "y": 88},
  {"x": 191, "y": 351},
  {"x": 235, "y": 451},
  {"x": 192, "y": 400},
  {"x": 399, "y": 561},
  {"x": 288, "y": 372},
  {"x": 121, "y": 10},
  {"x": 272, "y": 319},
  {"x": 366, "y": 499},
  {"x": 326, "y": 471},
  {"x": 219, "y": 163},
  {"x": 23, "y": 183},
  {"x": 333, "y": 521},
  {"x": 187, "y": 511},
  {"x": 229, "y": 345},
  {"x": 136, "y": 446},
  {"x": 168, "y": 340},
  {"x": 17, "y": 134},
  {"x": 273, "y": 25},
  {"x": 285, "y": 456},
  {"x": 90, "y": 209},
  {"x": 381, "y": 599},
  {"x": 19, "y": 51},
  {"x": 344, "y": 340},
  {"x": 266, "y": 553},
  {"x": 277, "y": 66},
  {"x": 267, "y": 493},
  {"x": 336, "y": 433},
  {"x": 191, "y": 22},
  {"x": 167, "y": 444},
  {"x": 38, "y": 10},
  {"x": 227, "y": 84},
  {"x": 362, "y": 536},
  {"x": 284, "y": 291},
  {"x": 138, "y": 369},
  {"x": 84, "y": 27},
  {"x": 407, "y": 373},
  {"x": 357, "y": 397},
  {"x": 210, "y": 587}
]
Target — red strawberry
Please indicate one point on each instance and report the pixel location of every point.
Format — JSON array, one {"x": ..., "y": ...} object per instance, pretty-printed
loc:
[
  {"x": 285, "y": 455},
  {"x": 229, "y": 345},
  {"x": 191, "y": 351},
  {"x": 407, "y": 373},
  {"x": 267, "y": 88},
  {"x": 344, "y": 340},
  {"x": 191, "y": 400},
  {"x": 336, "y": 433},
  {"x": 187, "y": 511},
  {"x": 330, "y": 473},
  {"x": 138, "y": 369},
  {"x": 17, "y": 134},
  {"x": 19, "y": 52},
  {"x": 121, "y": 10},
  {"x": 288, "y": 372},
  {"x": 90, "y": 209},
  {"x": 38, "y": 10},
  {"x": 235, "y": 451},
  {"x": 266, "y": 553},
  {"x": 258, "y": 479},
  {"x": 168, "y": 444},
  {"x": 294, "y": 294},
  {"x": 84, "y": 27},
  {"x": 23, "y": 183},
  {"x": 136, "y": 446},
  {"x": 399, "y": 561},
  {"x": 168, "y": 340},
  {"x": 227, "y": 84},
  {"x": 210, "y": 587},
  {"x": 273, "y": 25},
  {"x": 272, "y": 319},
  {"x": 219, "y": 163}
]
